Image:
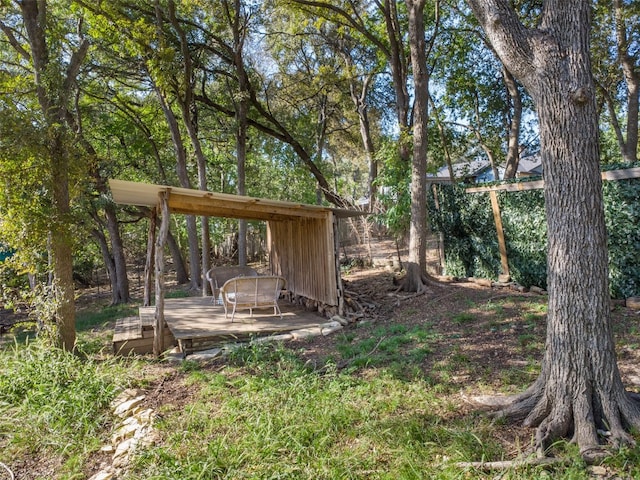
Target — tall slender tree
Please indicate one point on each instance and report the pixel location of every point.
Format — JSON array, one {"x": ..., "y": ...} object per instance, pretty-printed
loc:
[
  {"x": 618, "y": 75},
  {"x": 417, "y": 262},
  {"x": 36, "y": 38}
]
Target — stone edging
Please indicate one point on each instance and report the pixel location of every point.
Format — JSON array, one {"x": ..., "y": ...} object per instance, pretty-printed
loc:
[{"x": 135, "y": 428}]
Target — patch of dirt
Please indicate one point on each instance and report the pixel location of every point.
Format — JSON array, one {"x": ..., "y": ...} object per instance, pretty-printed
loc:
[{"x": 483, "y": 340}]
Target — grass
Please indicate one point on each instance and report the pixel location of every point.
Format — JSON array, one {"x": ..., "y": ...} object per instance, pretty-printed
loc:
[
  {"x": 463, "y": 318},
  {"x": 267, "y": 416},
  {"x": 54, "y": 403},
  {"x": 384, "y": 404},
  {"x": 396, "y": 347}
]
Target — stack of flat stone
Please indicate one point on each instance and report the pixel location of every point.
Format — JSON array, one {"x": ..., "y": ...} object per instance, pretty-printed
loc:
[{"x": 134, "y": 429}]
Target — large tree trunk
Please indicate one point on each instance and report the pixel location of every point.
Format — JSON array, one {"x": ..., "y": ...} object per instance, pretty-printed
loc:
[
  {"x": 579, "y": 389},
  {"x": 414, "y": 280},
  {"x": 61, "y": 246},
  {"x": 54, "y": 85}
]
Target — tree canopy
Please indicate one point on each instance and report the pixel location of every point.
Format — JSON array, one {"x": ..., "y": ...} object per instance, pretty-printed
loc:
[{"x": 341, "y": 102}]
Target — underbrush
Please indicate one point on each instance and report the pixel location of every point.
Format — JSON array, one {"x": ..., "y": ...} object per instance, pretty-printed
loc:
[{"x": 54, "y": 404}]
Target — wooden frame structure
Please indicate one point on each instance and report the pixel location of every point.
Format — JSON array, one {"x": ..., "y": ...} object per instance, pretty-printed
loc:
[
  {"x": 609, "y": 175},
  {"x": 302, "y": 239}
]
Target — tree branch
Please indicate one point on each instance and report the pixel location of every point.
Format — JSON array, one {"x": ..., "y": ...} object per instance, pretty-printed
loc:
[
  {"x": 509, "y": 37},
  {"x": 14, "y": 41}
]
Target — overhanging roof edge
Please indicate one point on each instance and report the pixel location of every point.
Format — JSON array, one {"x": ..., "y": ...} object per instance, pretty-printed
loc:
[{"x": 147, "y": 194}]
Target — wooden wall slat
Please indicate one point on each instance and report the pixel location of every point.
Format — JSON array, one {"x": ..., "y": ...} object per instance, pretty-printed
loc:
[{"x": 302, "y": 252}]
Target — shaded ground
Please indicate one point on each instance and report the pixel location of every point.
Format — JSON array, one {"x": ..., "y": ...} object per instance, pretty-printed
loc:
[
  {"x": 465, "y": 338},
  {"x": 479, "y": 341}
]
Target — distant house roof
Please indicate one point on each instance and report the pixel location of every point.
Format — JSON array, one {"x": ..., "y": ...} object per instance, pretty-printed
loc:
[
  {"x": 530, "y": 165},
  {"x": 479, "y": 170},
  {"x": 471, "y": 171}
]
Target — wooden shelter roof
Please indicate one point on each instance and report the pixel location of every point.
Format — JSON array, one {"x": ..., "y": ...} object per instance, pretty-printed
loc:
[{"x": 199, "y": 202}]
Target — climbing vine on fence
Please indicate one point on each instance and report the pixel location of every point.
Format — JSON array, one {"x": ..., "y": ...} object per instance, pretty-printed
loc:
[{"x": 470, "y": 239}]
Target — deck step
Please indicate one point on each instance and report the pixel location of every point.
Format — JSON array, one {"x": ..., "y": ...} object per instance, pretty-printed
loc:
[
  {"x": 127, "y": 328},
  {"x": 147, "y": 317},
  {"x": 132, "y": 335}
]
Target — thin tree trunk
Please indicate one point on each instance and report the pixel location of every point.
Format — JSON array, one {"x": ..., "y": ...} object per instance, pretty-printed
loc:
[
  {"x": 107, "y": 258},
  {"x": 632, "y": 77},
  {"x": 443, "y": 140},
  {"x": 359, "y": 101},
  {"x": 237, "y": 22},
  {"x": 483, "y": 144},
  {"x": 117, "y": 250},
  {"x": 513, "y": 138},
  {"x": 189, "y": 111},
  {"x": 182, "y": 276},
  {"x": 183, "y": 176}
]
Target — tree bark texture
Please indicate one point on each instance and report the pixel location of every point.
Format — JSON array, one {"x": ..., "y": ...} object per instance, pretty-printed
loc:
[
  {"x": 579, "y": 390},
  {"x": 417, "y": 261},
  {"x": 54, "y": 85}
]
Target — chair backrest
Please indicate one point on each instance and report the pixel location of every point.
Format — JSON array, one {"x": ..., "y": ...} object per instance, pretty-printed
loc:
[
  {"x": 219, "y": 275},
  {"x": 260, "y": 289}
]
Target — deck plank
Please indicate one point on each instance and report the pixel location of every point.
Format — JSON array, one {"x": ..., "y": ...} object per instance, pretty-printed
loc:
[
  {"x": 197, "y": 324},
  {"x": 196, "y": 317},
  {"x": 127, "y": 328}
]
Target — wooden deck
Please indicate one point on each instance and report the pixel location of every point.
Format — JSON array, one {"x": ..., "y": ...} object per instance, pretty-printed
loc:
[{"x": 196, "y": 324}]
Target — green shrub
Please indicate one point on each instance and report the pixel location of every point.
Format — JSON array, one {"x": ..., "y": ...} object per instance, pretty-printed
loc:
[{"x": 471, "y": 247}]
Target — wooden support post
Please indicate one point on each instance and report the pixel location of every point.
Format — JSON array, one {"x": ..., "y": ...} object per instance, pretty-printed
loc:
[
  {"x": 149, "y": 265},
  {"x": 158, "y": 330},
  {"x": 501, "y": 242},
  {"x": 333, "y": 221}
]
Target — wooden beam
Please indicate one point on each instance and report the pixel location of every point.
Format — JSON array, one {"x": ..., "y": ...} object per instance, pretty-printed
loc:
[
  {"x": 508, "y": 187},
  {"x": 622, "y": 174},
  {"x": 501, "y": 242},
  {"x": 159, "y": 324},
  {"x": 251, "y": 210}
]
